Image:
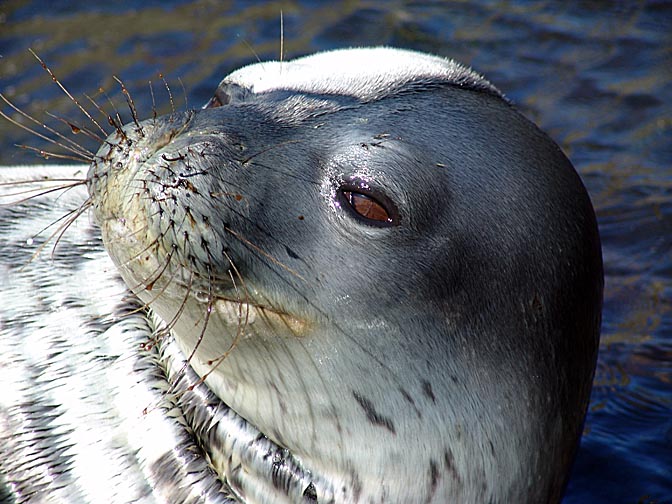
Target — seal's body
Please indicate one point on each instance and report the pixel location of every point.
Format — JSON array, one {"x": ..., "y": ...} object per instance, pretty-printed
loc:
[{"x": 375, "y": 261}]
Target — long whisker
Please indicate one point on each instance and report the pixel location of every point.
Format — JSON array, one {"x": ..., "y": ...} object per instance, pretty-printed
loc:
[
  {"x": 72, "y": 216},
  {"x": 184, "y": 92},
  {"x": 66, "y": 221},
  {"x": 37, "y": 192},
  {"x": 160, "y": 333},
  {"x": 254, "y": 53},
  {"x": 131, "y": 105},
  {"x": 115, "y": 121},
  {"x": 67, "y": 93},
  {"x": 76, "y": 129},
  {"x": 264, "y": 253},
  {"x": 267, "y": 149},
  {"x": 48, "y": 154},
  {"x": 241, "y": 326},
  {"x": 69, "y": 144},
  {"x": 165, "y": 330},
  {"x": 240, "y": 330},
  {"x": 282, "y": 39},
  {"x": 208, "y": 312},
  {"x": 110, "y": 120},
  {"x": 151, "y": 93},
  {"x": 170, "y": 94}
]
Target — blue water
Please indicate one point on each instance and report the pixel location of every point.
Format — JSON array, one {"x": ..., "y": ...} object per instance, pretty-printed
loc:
[{"x": 597, "y": 76}]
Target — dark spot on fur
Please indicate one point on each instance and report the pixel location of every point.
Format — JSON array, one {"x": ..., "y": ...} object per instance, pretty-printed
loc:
[
  {"x": 406, "y": 395},
  {"x": 336, "y": 420},
  {"x": 372, "y": 415},
  {"x": 537, "y": 304},
  {"x": 356, "y": 486},
  {"x": 433, "y": 479},
  {"x": 291, "y": 253},
  {"x": 310, "y": 494},
  {"x": 427, "y": 389},
  {"x": 449, "y": 462},
  {"x": 279, "y": 397},
  {"x": 410, "y": 400}
]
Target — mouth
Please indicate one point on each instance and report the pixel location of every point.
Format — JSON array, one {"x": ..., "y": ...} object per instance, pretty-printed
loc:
[{"x": 242, "y": 313}]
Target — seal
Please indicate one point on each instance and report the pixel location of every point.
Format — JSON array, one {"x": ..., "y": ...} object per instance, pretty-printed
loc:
[{"x": 390, "y": 276}]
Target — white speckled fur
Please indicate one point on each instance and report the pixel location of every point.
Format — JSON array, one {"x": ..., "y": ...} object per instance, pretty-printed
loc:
[{"x": 74, "y": 380}]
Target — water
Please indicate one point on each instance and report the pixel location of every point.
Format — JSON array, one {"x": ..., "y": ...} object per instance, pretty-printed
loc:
[{"x": 597, "y": 76}]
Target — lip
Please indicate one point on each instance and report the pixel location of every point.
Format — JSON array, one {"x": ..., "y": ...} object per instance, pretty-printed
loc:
[{"x": 238, "y": 312}]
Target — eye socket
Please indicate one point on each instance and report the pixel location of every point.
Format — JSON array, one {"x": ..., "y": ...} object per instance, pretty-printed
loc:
[
  {"x": 219, "y": 99},
  {"x": 226, "y": 93},
  {"x": 214, "y": 102},
  {"x": 368, "y": 207}
]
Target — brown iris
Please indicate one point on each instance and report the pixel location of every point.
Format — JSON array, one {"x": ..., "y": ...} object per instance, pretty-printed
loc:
[{"x": 367, "y": 207}]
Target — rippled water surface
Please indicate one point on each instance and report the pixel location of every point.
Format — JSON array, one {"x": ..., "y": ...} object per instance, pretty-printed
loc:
[{"x": 596, "y": 75}]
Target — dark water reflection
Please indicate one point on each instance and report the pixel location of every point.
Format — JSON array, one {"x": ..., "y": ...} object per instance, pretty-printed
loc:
[{"x": 596, "y": 75}]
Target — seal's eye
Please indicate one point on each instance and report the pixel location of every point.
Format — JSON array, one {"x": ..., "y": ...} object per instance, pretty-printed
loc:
[
  {"x": 227, "y": 92},
  {"x": 372, "y": 209},
  {"x": 220, "y": 98},
  {"x": 214, "y": 102}
]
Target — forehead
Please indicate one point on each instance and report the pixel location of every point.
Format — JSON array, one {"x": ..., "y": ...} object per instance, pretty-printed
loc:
[{"x": 363, "y": 73}]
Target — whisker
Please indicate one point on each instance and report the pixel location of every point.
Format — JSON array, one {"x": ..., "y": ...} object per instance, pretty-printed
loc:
[
  {"x": 242, "y": 324},
  {"x": 67, "y": 93},
  {"x": 76, "y": 129},
  {"x": 42, "y": 192},
  {"x": 184, "y": 92},
  {"x": 147, "y": 305},
  {"x": 157, "y": 337},
  {"x": 151, "y": 93},
  {"x": 256, "y": 56},
  {"x": 69, "y": 145},
  {"x": 183, "y": 304},
  {"x": 265, "y": 254},
  {"x": 131, "y": 105},
  {"x": 116, "y": 122},
  {"x": 48, "y": 155},
  {"x": 268, "y": 149},
  {"x": 149, "y": 285},
  {"x": 68, "y": 220},
  {"x": 287, "y": 174},
  {"x": 208, "y": 312},
  {"x": 169, "y": 326},
  {"x": 110, "y": 120},
  {"x": 170, "y": 94},
  {"x": 241, "y": 327},
  {"x": 282, "y": 39}
]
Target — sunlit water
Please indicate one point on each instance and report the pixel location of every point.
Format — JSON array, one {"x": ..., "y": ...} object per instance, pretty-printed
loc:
[{"x": 596, "y": 75}]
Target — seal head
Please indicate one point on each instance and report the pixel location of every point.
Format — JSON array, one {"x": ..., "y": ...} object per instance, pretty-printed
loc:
[{"x": 373, "y": 258}]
